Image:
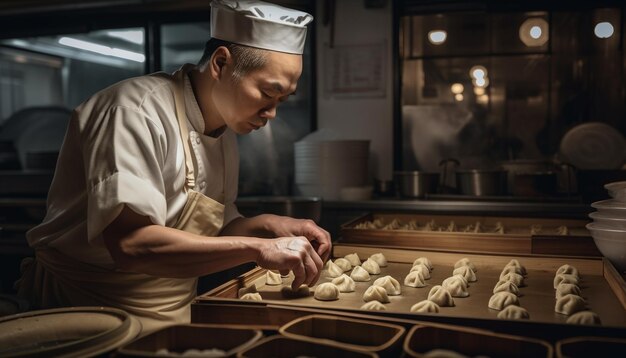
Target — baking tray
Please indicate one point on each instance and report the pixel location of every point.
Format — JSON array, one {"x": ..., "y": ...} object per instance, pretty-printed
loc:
[{"x": 517, "y": 237}]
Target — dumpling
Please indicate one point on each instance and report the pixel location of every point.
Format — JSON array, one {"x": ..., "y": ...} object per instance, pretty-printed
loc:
[
  {"x": 353, "y": 259},
  {"x": 569, "y": 304},
  {"x": 565, "y": 278},
  {"x": 566, "y": 288},
  {"x": 511, "y": 269},
  {"x": 516, "y": 263},
  {"x": 517, "y": 279},
  {"x": 333, "y": 270},
  {"x": 344, "y": 264},
  {"x": 513, "y": 312},
  {"x": 374, "y": 306},
  {"x": 371, "y": 267},
  {"x": 568, "y": 269},
  {"x": 380, "y": 259},
  {"x": 506, "y": 286},
  {"x": 425, "y": 261},
  {"x": 302, "y": 291},
  {"x": 456, "y": 286},
  {"x": 359, "y": 274},
  {"x": 273, "y": 278},
  {"x": 423, "y": 269},
  {"x": 426, "y": 306},
  {"x": 441, "y": 296},
  {"x": 443, "y": 353},
  {"x": 250, "y": 289},
  {"x": 252, "y": 297},
  {"x": 584, "y": 317},
  {"x": 466, "y": 272},
  {"x": 457, "y": 277},
  {"x": 344, "y": 283},
  {"x": 376, "y": 293},
  {"x": 502, "y": 299},
  {"x": 390, "y": 284},
  {"x": 415, "y": 279},
  {"x": 465, "y": 262},
  {"x": 326, "y": 291}
]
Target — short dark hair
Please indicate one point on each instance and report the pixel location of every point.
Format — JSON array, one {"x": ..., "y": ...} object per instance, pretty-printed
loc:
[{"x": 246, "y": 59}]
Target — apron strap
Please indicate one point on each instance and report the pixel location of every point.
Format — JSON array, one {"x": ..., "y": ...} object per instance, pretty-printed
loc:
[{"x": 190, "y": 178}]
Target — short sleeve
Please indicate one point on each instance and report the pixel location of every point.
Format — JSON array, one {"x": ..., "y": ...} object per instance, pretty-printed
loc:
[{"x": 123, "y": 153}]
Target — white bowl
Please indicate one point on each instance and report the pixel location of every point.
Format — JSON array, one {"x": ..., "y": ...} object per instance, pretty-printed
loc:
[
  {"x": 610, "y": 208},
  {"x": 607, "y": 222},
  {"x": 611, "y": 243},
  {"x": 617, "y": 190}
]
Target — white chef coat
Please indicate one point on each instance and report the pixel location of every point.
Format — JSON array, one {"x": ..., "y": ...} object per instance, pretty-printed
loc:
[{"x": 123, "y": 147}]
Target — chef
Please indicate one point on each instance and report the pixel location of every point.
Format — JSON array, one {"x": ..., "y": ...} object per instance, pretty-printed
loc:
[{"x": 142, "y": 201}]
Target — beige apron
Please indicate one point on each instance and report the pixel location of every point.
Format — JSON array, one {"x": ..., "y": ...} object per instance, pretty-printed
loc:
[{"x": 56, "y": 280}]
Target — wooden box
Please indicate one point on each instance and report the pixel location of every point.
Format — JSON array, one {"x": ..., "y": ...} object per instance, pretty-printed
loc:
[
  {"x": 279, "y": 347},
  {"x": 362, "y": 335},
  {"x": 180, "y": 338},
  {"x": 472, "y": 342}
]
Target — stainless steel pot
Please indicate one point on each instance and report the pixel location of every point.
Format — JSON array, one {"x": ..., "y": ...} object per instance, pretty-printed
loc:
[
  {"x": 534, "y": 184},
  {"x": 482, "y": 182},
  {"x": 416, "y": 184},
  {"x": 293, "y": 206},
  {"x": 532, "y": 171}
]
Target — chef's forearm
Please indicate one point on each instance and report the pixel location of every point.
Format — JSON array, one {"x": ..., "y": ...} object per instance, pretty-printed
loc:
[{"x": 258, "y": 226}]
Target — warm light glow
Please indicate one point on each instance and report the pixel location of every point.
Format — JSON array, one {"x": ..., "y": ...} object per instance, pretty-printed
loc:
[
  {"x": 477, "y": 72},
  {"x": 479, "y": 91},
  {"x": 480, "y": 82},
  {"x": 458, "y": 97},
  {"x": 437, "y": 37},
  {"x": 603, "y": 30},
  {"x": 457, "y": 88},
  {"x": 101, "y": 49},
  {"x": 483, "y": 99},
  {"x": 535, "y": 32}
]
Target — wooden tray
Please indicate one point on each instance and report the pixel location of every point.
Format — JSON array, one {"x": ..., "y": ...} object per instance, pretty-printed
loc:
[
  {"x": 516, "y": 239},
  {"x": 472, "y": 342},
  {"x": 591, "y": 347},
  {"x": 384, "y": 339},
  {"x": 279, "y": 347}
]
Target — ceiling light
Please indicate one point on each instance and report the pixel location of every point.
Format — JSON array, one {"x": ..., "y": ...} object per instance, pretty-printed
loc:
[
  {"x": 458, "y": 97},
  {"x": 481, "y": 82},
  {"x": 101, "y": 49},
  {"x": 483, "y": 99},
  {"x": 603, "y": 30},
  {"x": 437, "y": 37},
  {"x": 478, "y": 72},
  {"x": 534, "y": 32},
  {"x": 134, "y": 36},
  {"x": 479, "y": 91},
  {"x": 457, "y": 88}
]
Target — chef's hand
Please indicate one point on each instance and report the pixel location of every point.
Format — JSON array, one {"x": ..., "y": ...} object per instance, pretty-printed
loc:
[
  {"x": 319, "y": 238},
  {"x": 291, "y": 254}
]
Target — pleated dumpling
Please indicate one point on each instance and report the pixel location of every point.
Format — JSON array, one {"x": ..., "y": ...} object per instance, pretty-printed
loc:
[
  {"x": 465, "y": 262},
  {"x": 326, "y": 291},
  {"x": 252, "y": 297},
  {"x": 502, "y": 299},
  {"x": 344, "y": 264},
  {"x": 569, "y": 304},
  {"x": 517, "y": 279},
  {"x": 423, "y": 269},
  {"x": 456, "y": 286},
  {"x": 249, "y": 289},
  {"x": 425, "y": 306},
  {"x": 415, "y": 279},
  {"x": 441, "y": 296},
  {"x": 466, "y": 272},
  {"x": 390, "y": 284},
  {"x": 333, "y": 270},
  {"x": 506, "y": 286},
  {"x": 371, "y": 267},
  {"x": 344, "y": 283},
  {"x": 359, "y": 274},
  {"x": 380, "y": 259},
  {"x": 425, "y": 261},
  {"x": 511, "y": 269},
  {"x": 273, "y": 278},
  {"x": 513, "y": 312},
  {"x": 565, "y": 278},
  {"x": 353, "y": 259},
  {"x": 584, "y": 317},
  {"x": 516, "y": 263},
  {"x": 565, "y": 289},
  {"x": 567, "y": 269},
  {"x": 374, "y": 306},
  {"x": 376, "y": 293}
]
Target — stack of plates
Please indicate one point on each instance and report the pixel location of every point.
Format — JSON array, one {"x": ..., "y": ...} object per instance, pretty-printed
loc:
[{"x": 609, "y": 225}]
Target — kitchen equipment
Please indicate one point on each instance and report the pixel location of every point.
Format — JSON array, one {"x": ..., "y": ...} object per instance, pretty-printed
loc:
[
  {"x": 607, "y": 222},
  {"x": 355, "y": 193},
  {"x": 447, "y": 176},
  {"x": 594, "y": 145},
  {"x": 617, "y": 190},
  {"x": 416, "y": 184},
  {"x": 478, "y": 182},
  {"x": 281, "y": 347},
  {"x": 611, "y": 243},
  {"x": 533, "y": 184},
  {"x": 293, "y": 206},
  {"x": 610, "y": 208},
  {"x": 384, "y": 187}
]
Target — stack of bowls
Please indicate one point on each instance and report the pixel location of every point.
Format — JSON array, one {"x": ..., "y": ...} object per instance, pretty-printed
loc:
[{"x": 608, "y": 228}]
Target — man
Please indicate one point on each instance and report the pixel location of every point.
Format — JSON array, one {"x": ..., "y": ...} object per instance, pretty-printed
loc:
[{"x": 142, "y": 202}]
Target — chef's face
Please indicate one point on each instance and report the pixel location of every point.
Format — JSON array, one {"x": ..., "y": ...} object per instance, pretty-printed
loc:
[{"x": 249, "y": 102}]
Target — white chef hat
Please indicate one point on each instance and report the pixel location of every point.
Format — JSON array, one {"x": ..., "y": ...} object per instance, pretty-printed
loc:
[{"x": 259, "y": 24}]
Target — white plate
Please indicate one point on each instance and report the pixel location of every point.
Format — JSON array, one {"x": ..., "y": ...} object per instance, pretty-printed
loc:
[{"x": 594, "y": 145}]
